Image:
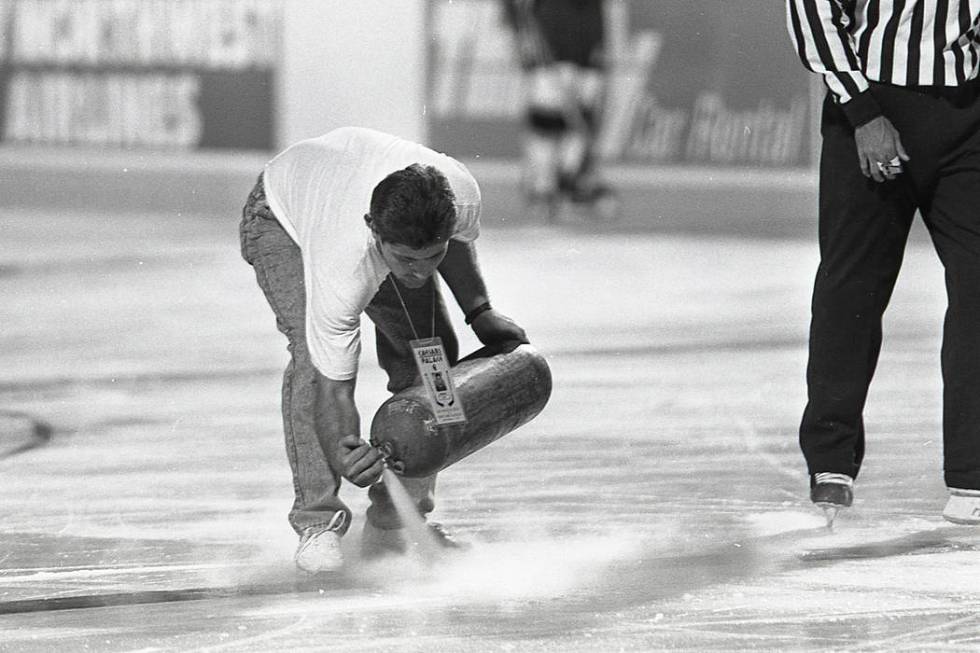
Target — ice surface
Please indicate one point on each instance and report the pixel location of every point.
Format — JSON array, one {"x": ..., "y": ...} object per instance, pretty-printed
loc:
[{"x": 658, "y": 503}]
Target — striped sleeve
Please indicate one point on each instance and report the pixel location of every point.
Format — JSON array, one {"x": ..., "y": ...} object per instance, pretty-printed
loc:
[{"x": 819, "y": 31}]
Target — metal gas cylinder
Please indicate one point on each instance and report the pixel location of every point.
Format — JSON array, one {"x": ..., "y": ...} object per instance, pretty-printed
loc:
[{"x": 501, "y": 388}]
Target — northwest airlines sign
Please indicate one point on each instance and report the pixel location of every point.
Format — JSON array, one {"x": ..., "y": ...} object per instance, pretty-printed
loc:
[
  {"x": 712, "y": 83},
  {"x": 149, "y": 74}
]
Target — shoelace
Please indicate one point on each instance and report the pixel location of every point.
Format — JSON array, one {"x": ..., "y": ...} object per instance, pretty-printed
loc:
[{"x": 336, "y": 522}]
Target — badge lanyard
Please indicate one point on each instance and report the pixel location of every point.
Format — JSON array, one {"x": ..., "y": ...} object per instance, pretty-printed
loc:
[{"x": 433, "y": 367}]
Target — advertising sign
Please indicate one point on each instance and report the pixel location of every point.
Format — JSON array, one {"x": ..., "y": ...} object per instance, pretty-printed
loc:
[
  {"x": 707, "y": 83},
  {"x": 158, "y": 74}
]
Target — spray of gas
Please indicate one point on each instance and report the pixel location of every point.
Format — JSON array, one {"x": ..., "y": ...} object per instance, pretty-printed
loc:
[{"x": 419, "y": 538}]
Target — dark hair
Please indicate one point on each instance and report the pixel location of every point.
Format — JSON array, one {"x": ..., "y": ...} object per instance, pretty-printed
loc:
[{"x": 414, "y": 206}]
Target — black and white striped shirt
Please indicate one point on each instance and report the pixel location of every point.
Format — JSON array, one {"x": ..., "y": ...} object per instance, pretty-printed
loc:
[{"x": 902, "y": 42}]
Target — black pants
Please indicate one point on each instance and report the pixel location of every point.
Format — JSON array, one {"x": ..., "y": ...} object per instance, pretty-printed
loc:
[{"x": 863, "y": 230}]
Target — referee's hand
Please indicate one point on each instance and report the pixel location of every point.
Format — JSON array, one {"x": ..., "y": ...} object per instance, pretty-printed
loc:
[{"x": 879, "y": 149}]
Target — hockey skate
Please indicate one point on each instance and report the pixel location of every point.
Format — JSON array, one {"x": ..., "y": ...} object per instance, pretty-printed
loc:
[
  {"x": 963, "y": 507},
  {"x": 594, "y": 200},
  {"x": 832, "y": 493}
]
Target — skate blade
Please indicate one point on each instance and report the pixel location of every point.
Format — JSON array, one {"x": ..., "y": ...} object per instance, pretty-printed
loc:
[
  {"x": 962, "y": 521},
  {"x": 830, "y": 512}
]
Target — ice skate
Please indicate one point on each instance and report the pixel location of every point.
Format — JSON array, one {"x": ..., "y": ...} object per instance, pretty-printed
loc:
[
  {"x": 595, "y": 199},
  {"x": 601, "y": 202},
  {"x": 963, "y": 507},
  {"x": 832, "y": 493}
]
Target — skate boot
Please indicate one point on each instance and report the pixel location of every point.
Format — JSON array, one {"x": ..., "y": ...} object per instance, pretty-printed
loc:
[
  {"x": 597, "y": 200},
  {"x": 963, "y": 507},
  {"x": 832, "y": 493},
  {"x": 319, "y": 547}
]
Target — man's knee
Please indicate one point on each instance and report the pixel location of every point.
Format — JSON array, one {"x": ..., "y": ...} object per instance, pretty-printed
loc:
[{"x": 401, "y": 376}]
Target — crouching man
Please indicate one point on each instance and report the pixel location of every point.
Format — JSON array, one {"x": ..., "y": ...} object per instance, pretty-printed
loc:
[{"x": 358, "y": 221}]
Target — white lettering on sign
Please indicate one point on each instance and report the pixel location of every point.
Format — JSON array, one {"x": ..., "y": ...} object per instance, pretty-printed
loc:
[
  {"x": 629, "y": 98},
  {"x": 212, "y": 34},
  {"x": 657, "y": 132},
  {"x": 476, "y": 77},
  {"x": 764, "y": 135},
  {"x": 155, "y": 110}
]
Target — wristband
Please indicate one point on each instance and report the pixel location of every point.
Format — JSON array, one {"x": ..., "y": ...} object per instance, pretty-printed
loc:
[{"x": 476, "y": 312}]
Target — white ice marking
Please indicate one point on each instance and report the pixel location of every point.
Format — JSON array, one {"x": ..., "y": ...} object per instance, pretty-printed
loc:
[
  {"x": 35, "y": 574},
  {"x": 776, "y": 523},
  {"x": 917, "y": 637}
]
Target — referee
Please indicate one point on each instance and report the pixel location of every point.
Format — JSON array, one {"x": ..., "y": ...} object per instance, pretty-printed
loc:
[{"x": 901, "y": 132}]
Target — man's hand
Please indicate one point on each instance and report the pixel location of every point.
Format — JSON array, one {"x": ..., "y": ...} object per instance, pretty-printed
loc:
[
  {"x": 878, "y": 142},
  {"x": 361, "y": 464},
  {"x": 492, "y": 327}
]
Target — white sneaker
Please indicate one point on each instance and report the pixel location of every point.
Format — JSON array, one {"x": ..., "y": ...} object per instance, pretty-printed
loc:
[
  {"x": 963, "y": 507},
  {"x": 319, "y": 547}
]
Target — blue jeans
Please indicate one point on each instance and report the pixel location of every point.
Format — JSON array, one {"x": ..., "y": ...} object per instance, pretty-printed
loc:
[{"x": 278, "y": 266}]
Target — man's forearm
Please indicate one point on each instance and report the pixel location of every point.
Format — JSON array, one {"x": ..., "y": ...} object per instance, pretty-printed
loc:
[
  {"x": 819, "y": 30},
  {"x": 462, "y": 274},
  {"x": 335, "y": 416}
]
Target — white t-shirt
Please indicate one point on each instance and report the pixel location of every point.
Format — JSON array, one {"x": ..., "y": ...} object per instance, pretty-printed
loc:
[{"x": 320, "y": 190}]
